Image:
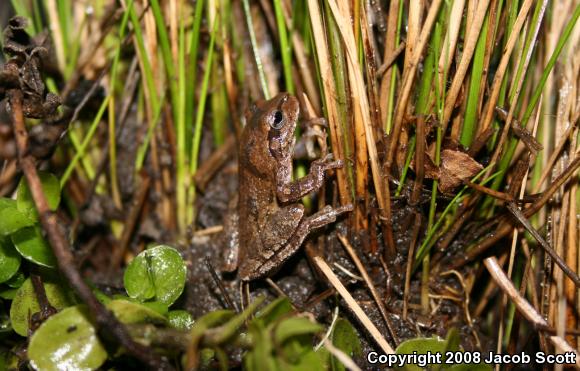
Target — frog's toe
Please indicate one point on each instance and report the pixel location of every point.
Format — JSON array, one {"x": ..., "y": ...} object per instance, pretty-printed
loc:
[
  {"x": 344, "y": 209},
  {"x": 326, "y": 209},
  {"x": 329, "y": 157},
  {"x": 333, "y": 164}
]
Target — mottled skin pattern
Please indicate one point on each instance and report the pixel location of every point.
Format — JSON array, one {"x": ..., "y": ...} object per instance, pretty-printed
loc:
[{"x": 270, "y": 224}]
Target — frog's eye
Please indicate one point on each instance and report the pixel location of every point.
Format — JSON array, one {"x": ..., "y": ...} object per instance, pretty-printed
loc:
[{"x": 277, "y": 120}]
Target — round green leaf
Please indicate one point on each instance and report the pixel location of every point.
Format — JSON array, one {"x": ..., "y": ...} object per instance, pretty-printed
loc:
[
  {"x": 67, "y": 341},
  {"x": 51, "y": 188},
  {"x": 157, "y": 273},
  {"x": 11, "y": 219},
  {"x": 345, "y": 338},
  {"x": 421, "y": 346},
  {"x": 9, "y": 260},
  {"x": 275, "y": 310},
  {"x": 7, "y": 293},
  {"x": 129, "y": 312},
  {"x": 17, "y": 280},
  {"x": 295, "y": 326},
  {"x": 32, "y": 246},
  {"x": 157, "y": 306},
  {"x": 25, "y": 303},
  {"x": 180, "y": 319},
  {"x": 5, "y": 325}
]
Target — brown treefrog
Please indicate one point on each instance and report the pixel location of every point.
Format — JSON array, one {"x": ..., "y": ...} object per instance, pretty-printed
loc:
[{"x": 270, "y": 225}]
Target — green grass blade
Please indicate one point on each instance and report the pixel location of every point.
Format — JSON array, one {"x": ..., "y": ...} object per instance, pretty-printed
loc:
[
  {"x": 471, "y": 110},
  {"x": 255, "y": 49},
  {"x": 286, "y": 50},
  {"x": 199, "y": 119}
]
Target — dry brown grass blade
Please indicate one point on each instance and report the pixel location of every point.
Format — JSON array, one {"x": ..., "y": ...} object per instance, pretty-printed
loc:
[
  {"x": 408, "y": 79},
  {"x": 56, "y": 30},
  {"x": 517, "y": 86},
  {"x": 414, "y": 18},
  {"x": 503, "y": 64},
  {"x": 555, "y": 256},
  {"x": 468, "y": 50},
  {"x": 362, "y": 116},
  {"x": 450, "y": 42},
  {"x": 523, "y": 306},
  {"x": 370, "y": 284},
  {"x": 389, "y": 62},
  {"x": 336, "y": 133},
  {"x": 231, "y": 87},
  {"x": 302, "y": 60},
  {"x": 353, "y": 305},
  {"x": 505, "y": 229},
  {"x": 214, "y": 162},
  {"x": 552, "y": 159},
  {"x": 361, "y": 123},
  {"x": 390, "y": 54},
  {"x": 341, "y": 356}
]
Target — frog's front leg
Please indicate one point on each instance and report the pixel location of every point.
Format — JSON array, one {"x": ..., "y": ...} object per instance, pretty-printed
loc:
[
  {"x": 289, "y": 191},
  {"x": 275, "y": 259}
]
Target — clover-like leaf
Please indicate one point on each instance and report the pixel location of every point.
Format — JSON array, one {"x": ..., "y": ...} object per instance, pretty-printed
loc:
[
  {"x": 16, "y": 280},
  {"x": 130, "y": 313},
  {"x": 7, "y": 293},
  {"x": 12, "y": 219},
  {"x": 9, "y": 260},
  {"x": 50, "y": 187},
  {"x": 420, "y": 346},
  {"x": 33, "y": 247},
  {"x": 209, "y": 320},
  {"x": 25, "y": 303},
  {"x": 274, "y": 310},
  {"x": 295, "y": 326},
  {"x": 345, "y": 338},
  {"x": 67, "y": 341},
  {"x": 157, "y": 273}
]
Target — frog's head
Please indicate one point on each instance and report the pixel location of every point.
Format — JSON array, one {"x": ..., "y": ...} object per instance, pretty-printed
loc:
[{"x": 281, "y": 116}]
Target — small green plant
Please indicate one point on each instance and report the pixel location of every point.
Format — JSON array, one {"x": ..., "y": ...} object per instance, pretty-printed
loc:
[
  {"x": 276, "y": 338},
  {"x": 442, "y": 347},
  {"x": 154, "y": 280},
  {"x": 63, "y": 333},
  {"x": 20, "y": 233}
]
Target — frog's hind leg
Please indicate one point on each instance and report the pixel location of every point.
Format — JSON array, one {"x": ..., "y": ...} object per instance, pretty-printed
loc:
[
  {"x": 269, "y": 240},
  {"x": 323, "y": 217}
]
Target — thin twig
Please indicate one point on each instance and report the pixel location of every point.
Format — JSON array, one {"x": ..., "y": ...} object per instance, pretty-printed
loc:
[
  {"x": 130, "y": 222},
  {"x": 506, "y": 228},
  {"x": 545, "y": 245},
  {"x": 230, "y": 304},
  {"x": 392, "y": 58}
]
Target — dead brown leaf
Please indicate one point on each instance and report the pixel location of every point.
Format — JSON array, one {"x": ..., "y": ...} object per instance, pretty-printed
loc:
[{"x": 456, "y": 167}]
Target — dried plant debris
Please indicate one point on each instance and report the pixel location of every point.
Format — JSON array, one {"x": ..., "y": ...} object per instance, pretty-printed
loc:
[
  {"x": 521, "y": 132},
  {"x": 24, "y": 71},
  {"x": 455, "y": 168}
]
